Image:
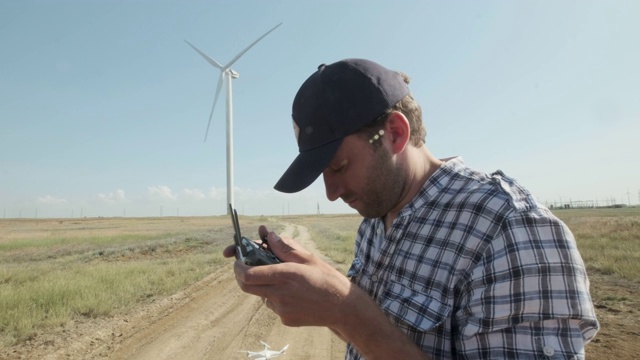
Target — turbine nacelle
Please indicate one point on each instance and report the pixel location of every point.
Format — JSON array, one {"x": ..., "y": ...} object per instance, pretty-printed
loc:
[{"x": 234, "y": 74}]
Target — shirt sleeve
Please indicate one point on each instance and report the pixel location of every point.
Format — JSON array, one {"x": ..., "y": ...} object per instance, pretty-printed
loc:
[{"x": 528, "y": 297}]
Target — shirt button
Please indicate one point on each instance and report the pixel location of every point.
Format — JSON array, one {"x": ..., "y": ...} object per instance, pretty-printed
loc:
[
  {"x": 548, "y": 350},
  {"x": 374, "y": 277}
]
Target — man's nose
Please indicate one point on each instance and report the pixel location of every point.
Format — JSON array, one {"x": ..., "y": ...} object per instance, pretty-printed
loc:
[{"x": 332, "y": 186}]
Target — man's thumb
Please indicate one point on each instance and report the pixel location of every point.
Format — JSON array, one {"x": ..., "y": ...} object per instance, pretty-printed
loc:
[{"x": 287, "y": 249}]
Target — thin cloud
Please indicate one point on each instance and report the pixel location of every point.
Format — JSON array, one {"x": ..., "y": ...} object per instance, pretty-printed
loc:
[
  {"x": 215, "y": 193},
  {"x": 113, "y": 197},
  {"x": 194, "y": 194},
  {"x": 161, "y": 192},
  {"x": 255, "y": 194},
  {"x": 48, "y": 199}
]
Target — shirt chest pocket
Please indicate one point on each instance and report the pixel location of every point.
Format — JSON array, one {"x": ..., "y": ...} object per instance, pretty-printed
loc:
[{"x": 413, "y": 309}]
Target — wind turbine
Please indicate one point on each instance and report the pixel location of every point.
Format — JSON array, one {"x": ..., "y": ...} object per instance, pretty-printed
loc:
[{"x": 229, "y": 74}]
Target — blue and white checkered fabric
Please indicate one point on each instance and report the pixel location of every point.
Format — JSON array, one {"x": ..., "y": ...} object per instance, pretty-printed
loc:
[{"x": 475, "y": 268}]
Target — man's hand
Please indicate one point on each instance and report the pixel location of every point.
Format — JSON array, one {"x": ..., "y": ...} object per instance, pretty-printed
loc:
[
  {"x": 303, "y": 290},
  {"x": 306, "y": 291}
]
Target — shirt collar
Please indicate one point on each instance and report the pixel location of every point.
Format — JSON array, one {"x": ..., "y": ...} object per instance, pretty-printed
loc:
[{"x": 434, "y": 184}]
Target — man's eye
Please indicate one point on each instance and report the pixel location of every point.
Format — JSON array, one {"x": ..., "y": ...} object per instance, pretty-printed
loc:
[{"x": 341, "y": 167}]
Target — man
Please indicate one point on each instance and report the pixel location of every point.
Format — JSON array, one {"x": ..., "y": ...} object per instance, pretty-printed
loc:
[{"x": 449, "y": 262}]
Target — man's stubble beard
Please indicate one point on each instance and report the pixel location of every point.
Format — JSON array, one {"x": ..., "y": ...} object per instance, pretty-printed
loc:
[{"x": 384, "y": 185}]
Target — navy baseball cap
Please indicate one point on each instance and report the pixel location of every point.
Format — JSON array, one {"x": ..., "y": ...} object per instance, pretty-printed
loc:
[{"x": 334, "y": 102}]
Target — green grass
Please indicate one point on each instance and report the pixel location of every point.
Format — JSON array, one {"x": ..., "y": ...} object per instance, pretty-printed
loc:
[
  {"x": 52, "y": 272},
  {"x": 608, "y": 239},
  {"x": 66, "y": 241},
  {"x": 50, "y": 294},
  {"x": 334, "y": 236}
]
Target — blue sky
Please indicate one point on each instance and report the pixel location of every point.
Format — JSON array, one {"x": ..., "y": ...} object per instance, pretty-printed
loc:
[{"x": 103, "y": 106}]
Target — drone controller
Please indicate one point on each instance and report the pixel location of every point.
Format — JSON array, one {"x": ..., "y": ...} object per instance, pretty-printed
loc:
[{"x": 248, "y": 251}]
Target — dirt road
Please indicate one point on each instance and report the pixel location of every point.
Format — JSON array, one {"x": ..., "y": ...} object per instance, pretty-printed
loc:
[{"x": 212, "y": 319}]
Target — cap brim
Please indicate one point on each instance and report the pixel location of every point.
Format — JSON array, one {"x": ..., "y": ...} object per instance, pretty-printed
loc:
[{"x": 306, "y": 168}]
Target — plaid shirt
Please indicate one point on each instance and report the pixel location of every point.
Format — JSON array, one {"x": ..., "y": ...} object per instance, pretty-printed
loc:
[{"x": 475, "y": 268}]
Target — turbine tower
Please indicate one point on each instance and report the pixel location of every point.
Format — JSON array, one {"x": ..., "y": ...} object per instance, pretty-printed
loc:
[{"x": 228, "y": 74}]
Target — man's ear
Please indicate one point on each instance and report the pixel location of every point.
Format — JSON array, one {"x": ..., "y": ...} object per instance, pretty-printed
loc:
[{"x": 398, "y": 130}]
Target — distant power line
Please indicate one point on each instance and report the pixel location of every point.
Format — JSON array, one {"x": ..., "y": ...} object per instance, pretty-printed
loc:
[{"x": 586, "y": 204}]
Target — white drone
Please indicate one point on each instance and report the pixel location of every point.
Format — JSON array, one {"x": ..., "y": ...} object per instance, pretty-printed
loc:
[{"x": 266, "y": 353}]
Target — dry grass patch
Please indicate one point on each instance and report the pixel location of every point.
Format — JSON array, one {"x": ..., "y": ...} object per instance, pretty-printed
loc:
[
  {"x": 608, "y": 239},
  {"x": 52, "y": 271},
  {"x": 334, "y": 235}
]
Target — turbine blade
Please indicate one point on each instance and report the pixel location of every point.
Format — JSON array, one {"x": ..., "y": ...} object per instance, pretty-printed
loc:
[
  {"x": 210, "y": 60},
  {"x": 215, "y": 100},
  {"x": 249, "y": 47}
]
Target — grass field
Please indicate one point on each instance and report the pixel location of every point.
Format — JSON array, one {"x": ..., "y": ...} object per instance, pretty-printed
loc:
[
  {"x": 53, "y": 271},
  {"x": 608, "y": 239}
]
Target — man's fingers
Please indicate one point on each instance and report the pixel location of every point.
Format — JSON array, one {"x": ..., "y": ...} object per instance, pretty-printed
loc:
[
  {"x": 288, "y": 250},
  {"x": 261, "y": 280},
  {"x": 263, "y": 231},
  {"x": 229, "y": 251},
  {"x": 258, "y": 275},
  {"x": 275, "y": 274}
]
